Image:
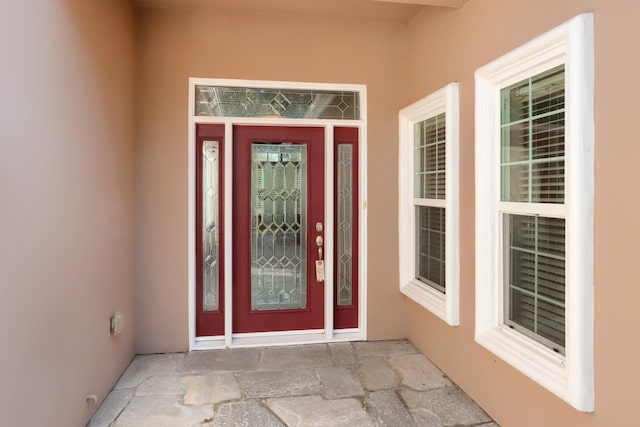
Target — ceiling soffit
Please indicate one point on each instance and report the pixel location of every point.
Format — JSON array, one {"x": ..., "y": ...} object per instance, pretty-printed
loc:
[
  {"x": 397, "y": 11},
  {"x": 443, "y": 3}
]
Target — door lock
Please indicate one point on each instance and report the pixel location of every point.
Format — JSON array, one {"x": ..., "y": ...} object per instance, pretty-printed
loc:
[
  {"x": 319, "y": 262},
  {"x": 319, "y": 242}
]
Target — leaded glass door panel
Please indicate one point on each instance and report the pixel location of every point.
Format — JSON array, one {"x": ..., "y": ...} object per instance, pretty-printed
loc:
[
  {"x": 278, "y": 198},
  {"x": 345, "y": 310},
  {"x": 209, "y": 246}
]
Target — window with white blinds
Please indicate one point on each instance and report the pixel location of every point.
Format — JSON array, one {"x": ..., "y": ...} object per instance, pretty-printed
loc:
[
  {"x": 532, "y": 172},
  {"x": 535, "y": 277},
  {"x": 534, "y": 157},
  {"x": 428, "y": 175},
  {"x": 430, "y": 188},
  {"x": 533, "y": 139}
]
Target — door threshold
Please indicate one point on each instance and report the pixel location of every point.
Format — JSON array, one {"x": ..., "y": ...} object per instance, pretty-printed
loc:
[{"x": 272, "y": 339}]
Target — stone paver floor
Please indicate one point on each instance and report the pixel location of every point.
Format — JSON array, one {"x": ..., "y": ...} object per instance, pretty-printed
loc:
[{"x": 380, "y": 383}]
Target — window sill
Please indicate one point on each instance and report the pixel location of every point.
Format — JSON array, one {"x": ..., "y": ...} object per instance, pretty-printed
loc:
[
  {"x": 538, "y": 362},
  {"x": 431, "y": 299}
]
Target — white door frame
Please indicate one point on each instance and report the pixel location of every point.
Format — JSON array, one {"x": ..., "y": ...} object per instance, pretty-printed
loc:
[{"x": 328, "y": 334}]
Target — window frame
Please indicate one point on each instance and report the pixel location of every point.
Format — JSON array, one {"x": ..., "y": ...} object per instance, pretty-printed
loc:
[
  {"x": 569, "y": 376},
  {"x": 443, "y": 305}
]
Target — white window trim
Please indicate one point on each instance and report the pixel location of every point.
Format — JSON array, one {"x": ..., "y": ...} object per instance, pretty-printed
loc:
[
  {"x": 570, "y": 377},
  {"x": 445, "y": 306}
]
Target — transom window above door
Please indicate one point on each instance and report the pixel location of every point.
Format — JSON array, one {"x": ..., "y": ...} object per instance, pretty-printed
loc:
[{"x": 231, "y": 101}]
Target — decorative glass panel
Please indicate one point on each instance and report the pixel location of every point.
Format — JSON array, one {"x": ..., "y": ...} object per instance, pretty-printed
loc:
[
  {"x": 345, "y": 224},
  {"x": 430, "y": 157},
  {"x": 535, "y": 269},
  {"x": 533, "y": 139},
  {"x": 279, "y": 226},
  {"x": 431, "y": 246},
  {"x": 210, "y": 215},
  {"x": 226, "y": 101}
]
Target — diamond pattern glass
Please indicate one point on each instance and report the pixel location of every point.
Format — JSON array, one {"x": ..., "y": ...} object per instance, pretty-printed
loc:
[
  {"x": 210, "y": 215},
  {"x": 344, "y": 261},
  {"x": 224, "y": 101},
  {"x": 279, "y": 226}
]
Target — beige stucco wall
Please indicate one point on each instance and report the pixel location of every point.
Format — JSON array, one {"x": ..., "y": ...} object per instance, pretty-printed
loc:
[
  {"x": 174, "y": 45},
  {"x": 448, "y": 46},
  {"x": 66, "y": 205}
]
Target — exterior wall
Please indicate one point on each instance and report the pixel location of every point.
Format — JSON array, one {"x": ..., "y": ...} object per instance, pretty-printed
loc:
[
  {"x": 66, "y": 205},
  {"x": 69, "y": 200},
  {"x": 448, "y": 45},
  {"x": 174, "y": 45}
]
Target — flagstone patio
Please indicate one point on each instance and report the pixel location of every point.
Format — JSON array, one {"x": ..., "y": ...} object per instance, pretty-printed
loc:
[{"x": 380, "y": 383}]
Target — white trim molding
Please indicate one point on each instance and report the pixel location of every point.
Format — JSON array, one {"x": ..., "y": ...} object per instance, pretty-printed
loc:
[
  {"x": 569, "y": 376},
  {"x": 444, "y": 305}
]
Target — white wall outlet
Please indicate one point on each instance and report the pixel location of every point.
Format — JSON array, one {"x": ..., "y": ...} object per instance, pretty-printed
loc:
[{"x": 116, "y": 323}]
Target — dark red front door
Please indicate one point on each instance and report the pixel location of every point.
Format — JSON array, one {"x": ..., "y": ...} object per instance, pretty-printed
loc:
[{"x": 278, "y": 215}]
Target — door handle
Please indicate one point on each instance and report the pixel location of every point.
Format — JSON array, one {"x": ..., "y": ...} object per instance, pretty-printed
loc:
[{"x": 319, "y": 242}]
